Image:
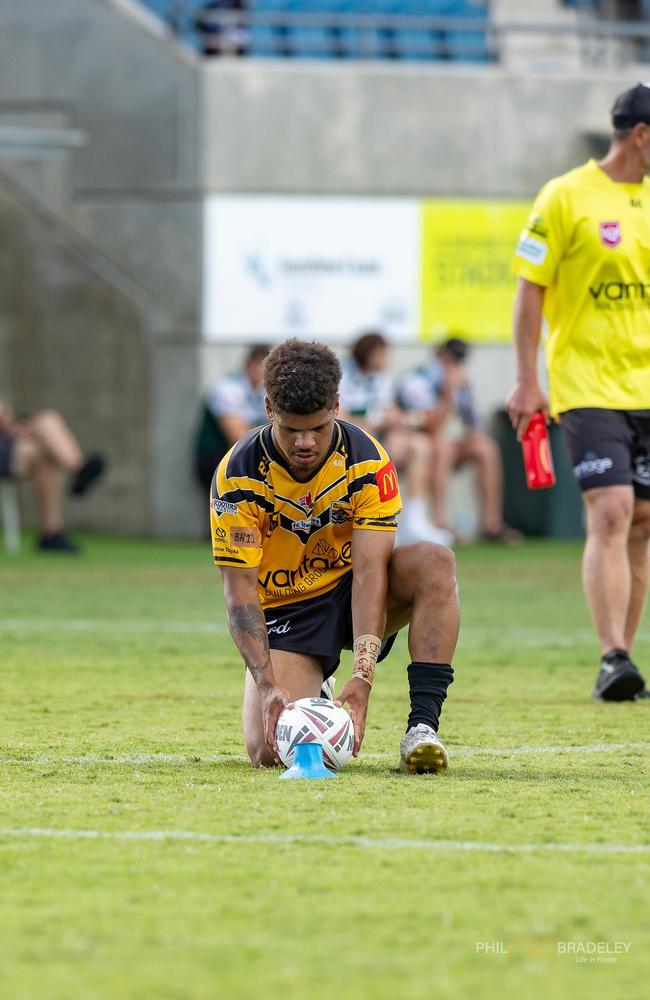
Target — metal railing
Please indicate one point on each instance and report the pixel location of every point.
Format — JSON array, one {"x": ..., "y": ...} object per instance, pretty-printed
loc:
[{"x": 599, "y": 41}]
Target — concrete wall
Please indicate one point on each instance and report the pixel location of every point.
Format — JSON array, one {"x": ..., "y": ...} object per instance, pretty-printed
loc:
[
  {"x": 74, "y": 340},
  {"x": 370, "y": 128}
]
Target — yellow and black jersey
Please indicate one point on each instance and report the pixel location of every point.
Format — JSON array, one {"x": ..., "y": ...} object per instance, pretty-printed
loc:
[{"x": 299, "y": 534}]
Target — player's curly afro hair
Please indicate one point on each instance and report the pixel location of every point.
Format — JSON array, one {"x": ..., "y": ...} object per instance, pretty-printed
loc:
[{"x": 302, "y": 377}]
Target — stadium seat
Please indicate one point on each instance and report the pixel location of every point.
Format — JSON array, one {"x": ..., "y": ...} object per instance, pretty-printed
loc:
[
  {"x": 312, "y": 42},
  {"x": 363, "y": 42},
  {"x": 418, "y": 43},
  {"x": 268, "y": 40},
  {"x": 10, "y": 516},
  {"x": 468, "y": 46}
]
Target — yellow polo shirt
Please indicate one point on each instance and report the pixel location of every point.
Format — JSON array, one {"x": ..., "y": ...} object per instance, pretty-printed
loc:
[{"x": 587, "y": 241}]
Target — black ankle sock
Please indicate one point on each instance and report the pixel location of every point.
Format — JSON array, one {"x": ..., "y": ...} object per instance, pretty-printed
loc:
[{"x": 428, "y": 683}]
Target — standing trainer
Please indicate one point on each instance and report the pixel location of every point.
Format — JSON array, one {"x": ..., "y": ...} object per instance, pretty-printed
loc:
[
  {"x": 583, "y": 260},
  {"x": 303, "y": 515}
]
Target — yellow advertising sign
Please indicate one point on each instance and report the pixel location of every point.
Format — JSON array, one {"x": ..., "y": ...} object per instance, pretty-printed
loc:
[{"x": 467, "y": 285}]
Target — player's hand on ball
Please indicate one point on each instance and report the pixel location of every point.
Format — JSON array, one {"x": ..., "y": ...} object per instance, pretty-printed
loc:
[
  {"x": 274, "y": 700},
  {"x": 356, "y": 693}
]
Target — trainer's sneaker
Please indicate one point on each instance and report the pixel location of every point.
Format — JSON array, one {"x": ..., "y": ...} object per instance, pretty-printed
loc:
[
  {"x": 88, "y": 474},
  {"x": 327, "y": 690},
  {"x": 618, "y": 678},
  {"x": 57, "y": 542},
  {"x": 642, "y": 694},
  {"x": 421, "y": 752}
]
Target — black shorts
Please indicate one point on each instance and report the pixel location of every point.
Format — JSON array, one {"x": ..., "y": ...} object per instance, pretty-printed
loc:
[
  {"x": 6, "y": 448},
  {"x": 609, "y": 448},
  {"x": 319, "y": 626}
]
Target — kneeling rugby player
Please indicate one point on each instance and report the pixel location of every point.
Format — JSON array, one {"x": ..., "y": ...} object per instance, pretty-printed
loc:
[{"x": 303, "y": 515}]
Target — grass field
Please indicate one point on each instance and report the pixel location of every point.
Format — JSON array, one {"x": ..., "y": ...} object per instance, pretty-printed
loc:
[{"x": 141, "y": 857}]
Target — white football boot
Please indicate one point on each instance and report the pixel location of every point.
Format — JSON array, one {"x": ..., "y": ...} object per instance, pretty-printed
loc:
[{"x": 421, "y": 752}]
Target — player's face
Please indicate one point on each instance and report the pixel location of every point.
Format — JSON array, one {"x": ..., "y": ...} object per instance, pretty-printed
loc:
[{"x": 303, "y": 440}]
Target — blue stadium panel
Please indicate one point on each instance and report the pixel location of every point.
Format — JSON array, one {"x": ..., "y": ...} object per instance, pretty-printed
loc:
[
  {"x": 310, "y": 42},
  {"x": 468, "y": 46},
  {"x": 363, "y": 42},
  {"x": 268, "y": 41},
  {"x": 418, "y": 43}
]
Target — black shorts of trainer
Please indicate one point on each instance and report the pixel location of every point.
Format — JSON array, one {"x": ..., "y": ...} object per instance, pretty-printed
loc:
[
  {"x": 320, "y": 626},
  {"x": 6, "y": 449},
  {"x": 609, "y": 448}
]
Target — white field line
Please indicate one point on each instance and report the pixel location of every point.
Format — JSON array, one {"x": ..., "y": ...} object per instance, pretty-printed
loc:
[
  {"x": 188, "y": 758},
  {"x": 522, "y": 636},
  {"x": 307, "y": 840}
]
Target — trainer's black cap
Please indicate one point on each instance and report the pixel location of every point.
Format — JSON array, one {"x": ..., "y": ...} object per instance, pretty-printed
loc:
[
  {"x": 632, "y": 107},
  {"x": 459, "y": 349}
]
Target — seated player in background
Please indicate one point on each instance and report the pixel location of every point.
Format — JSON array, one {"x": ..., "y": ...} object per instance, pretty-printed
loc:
[
  {"x": 43, "y": 450},
  {"x": 234, "y": 405},
  {"x": 303, "y": 515},
  {"x": 439, "y": 395},
  {"x": 367, "y": 399}
]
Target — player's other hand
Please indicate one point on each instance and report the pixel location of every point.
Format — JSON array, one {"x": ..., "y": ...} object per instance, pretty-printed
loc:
[
  {"x": 356, "y": 693},
  {"x": 274, "y": 701},
  {"x": 525, "y": 399}
]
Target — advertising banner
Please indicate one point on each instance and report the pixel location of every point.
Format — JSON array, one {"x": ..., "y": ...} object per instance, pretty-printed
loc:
[
  {"x": 325, "y": 268},
  {"x": 467, "y": 284},
  {"x": 329, "y": 268}
]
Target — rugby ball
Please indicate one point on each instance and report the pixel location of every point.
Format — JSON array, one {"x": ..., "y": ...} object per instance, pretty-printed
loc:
[{"x": 316, "y": 720}]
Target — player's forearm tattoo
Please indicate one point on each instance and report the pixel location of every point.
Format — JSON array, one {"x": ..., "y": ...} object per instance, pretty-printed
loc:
[
  {"x": 247, "y": 619},
  {"x": 246, "y": 622}
]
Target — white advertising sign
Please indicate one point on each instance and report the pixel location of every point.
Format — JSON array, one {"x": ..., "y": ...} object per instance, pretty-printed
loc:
[{"x": 326, "y": 268}]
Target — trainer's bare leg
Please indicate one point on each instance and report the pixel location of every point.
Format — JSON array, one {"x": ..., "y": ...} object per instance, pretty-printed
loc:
[
  {"x": 57, "y": 440},
  {"x": 606, "y": 572},
  {"x": 300, "y": 675},
  {"x": 637, "y": 550},
  {"x": 31, "y": 462},
  {"x": 423, "y": 594}
]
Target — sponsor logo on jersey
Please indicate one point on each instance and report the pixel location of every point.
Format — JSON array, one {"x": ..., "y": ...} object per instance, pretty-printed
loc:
[
  {"x": 245, "y": 538},
  {"x": 304, "y": 527},
  {"x": 220, "y": 534},
  {"x": 532, "y": 249},
  {"x": 537, "y": 227},
  {"x": 610, "y": 234},
  {"x": 310, "y": 569},
  {"x": 592, "y": 465},
  {"x": 617, "y": 291},
  {"x": 272, "y": 627},
  {"x": 340, "y": 513},
  {"x": 387, "y": 482},
  {"x": 641, "y": 472},
  {"x": 223, "y": 507},
  {"x": 306, "y": 502}
]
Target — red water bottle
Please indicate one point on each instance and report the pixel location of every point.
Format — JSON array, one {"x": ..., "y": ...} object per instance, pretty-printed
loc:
[{"x": 538, "y": 458}]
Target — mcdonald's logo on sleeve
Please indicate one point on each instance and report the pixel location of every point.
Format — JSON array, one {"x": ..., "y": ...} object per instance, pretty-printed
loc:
[{"x": 387, "y": 482}]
